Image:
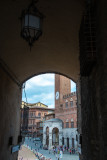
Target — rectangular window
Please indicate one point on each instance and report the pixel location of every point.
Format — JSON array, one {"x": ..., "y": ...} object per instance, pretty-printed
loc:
[
  {"x": 61, "y": 105},
  {"x": 72, "y": 124},
  {"x": 31, "y": 114},
  {"x": 71, "y": 103},
  {"x": 66, "y": 104},
  {"x": 67, "y": 124},
  {"x": 39, "y": 114}
]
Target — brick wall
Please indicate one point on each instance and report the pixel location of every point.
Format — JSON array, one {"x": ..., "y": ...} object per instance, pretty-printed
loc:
[
  {"x": 66, "y": 105},
  {"x": 94, "y": 95}
]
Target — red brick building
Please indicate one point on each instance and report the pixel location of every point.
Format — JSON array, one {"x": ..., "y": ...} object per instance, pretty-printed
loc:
[
  {"x": 65, "y": 102},
  {"x": 63, "y": 128},
  {"x": 32, "y": 115}
]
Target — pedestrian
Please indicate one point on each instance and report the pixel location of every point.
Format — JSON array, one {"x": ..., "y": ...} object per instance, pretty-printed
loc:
[
  {"x": 70, "y": 151},
  {"x": 56, "y": 156},
  {"x": 40, "y": 146},
  {"x": 61, "y": 154},
  {"x": 74, "y": 150},
  {"x": 54, "y": 151},
  {"x": 58, "y": 153}
]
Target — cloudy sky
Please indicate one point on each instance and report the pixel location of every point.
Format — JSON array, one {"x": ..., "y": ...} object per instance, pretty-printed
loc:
[{"x": 41, "y": 89}]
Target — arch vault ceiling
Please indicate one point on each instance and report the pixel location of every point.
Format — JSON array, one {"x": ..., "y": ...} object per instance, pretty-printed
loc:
[{"x": 57, "y": 50}]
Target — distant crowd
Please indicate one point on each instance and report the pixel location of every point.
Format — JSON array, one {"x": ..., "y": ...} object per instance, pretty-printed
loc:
[
  {"x": 58, "y": 151},
  {"x": 63, "y": 148}
]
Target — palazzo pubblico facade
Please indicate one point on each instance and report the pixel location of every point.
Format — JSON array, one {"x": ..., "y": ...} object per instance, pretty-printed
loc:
[{"x": 61, "y": 129}]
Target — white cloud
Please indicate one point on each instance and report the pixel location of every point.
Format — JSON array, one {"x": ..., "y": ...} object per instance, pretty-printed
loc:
[
  {"x": 29, "y": 99},
  {"x": 40, "y": 80},
  {"x": 51, "y": 106},
  {"x": 43, "y": 96},
  {"x": 47, "y": 99}
]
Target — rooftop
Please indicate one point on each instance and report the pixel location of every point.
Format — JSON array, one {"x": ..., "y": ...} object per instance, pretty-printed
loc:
[{"x": 54, "y": 120}]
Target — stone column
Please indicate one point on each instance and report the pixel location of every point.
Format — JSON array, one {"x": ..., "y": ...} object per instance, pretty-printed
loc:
[
  {"x": 60, "y": 138},
  {"x": 75, "y": 143},
  {"x": 44, "y": 137},
  {"x": 50, "y": 138}
]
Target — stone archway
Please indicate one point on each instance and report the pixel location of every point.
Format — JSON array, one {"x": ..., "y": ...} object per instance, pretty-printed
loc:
[
  {"x": 67, "y": 142},
  {"x": 55, "y": 136},
  {"x": 62, "y": 140},
  {"x": 55, "y": 132},
  {"x": 47, "y": 136},
  {"x": 57, "y": 51},
  {"x": 73, "y": 142}
]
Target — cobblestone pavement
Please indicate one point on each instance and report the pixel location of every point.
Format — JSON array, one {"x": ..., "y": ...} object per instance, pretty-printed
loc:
[
  {"x": 36, "y": 145},
  {"x": 26, "y": 154}
]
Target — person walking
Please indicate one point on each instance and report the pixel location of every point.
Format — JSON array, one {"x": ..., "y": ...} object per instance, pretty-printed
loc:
[
  {"x": 49, "y": 151},
  {"x": 61, "y": 154},
  {"x": 54, "y": 151},
  {"x": 70, "y": 151},
  {"x": 58, "y": 153},
  {"x": 56, "y": 156}
]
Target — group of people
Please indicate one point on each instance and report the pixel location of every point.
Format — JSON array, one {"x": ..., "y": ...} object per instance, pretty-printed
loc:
[{"x": 56, "y": 150}]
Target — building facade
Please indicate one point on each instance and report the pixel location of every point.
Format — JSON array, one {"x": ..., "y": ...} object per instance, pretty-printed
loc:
[
  {"x": 49, "y": 116},
  {"x": 32, "y": 116},
  {"x": 66, "y": 111}
]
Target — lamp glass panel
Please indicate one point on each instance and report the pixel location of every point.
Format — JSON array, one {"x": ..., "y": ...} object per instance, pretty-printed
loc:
[
  {"x": 26, "y": 20},
  {"x": 32, "y": 21}
]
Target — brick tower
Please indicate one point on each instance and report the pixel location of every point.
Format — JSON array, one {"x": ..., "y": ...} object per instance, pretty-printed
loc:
[
  {"x": 62, "y": 87},
  {"x": 65, "y": 102}
]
